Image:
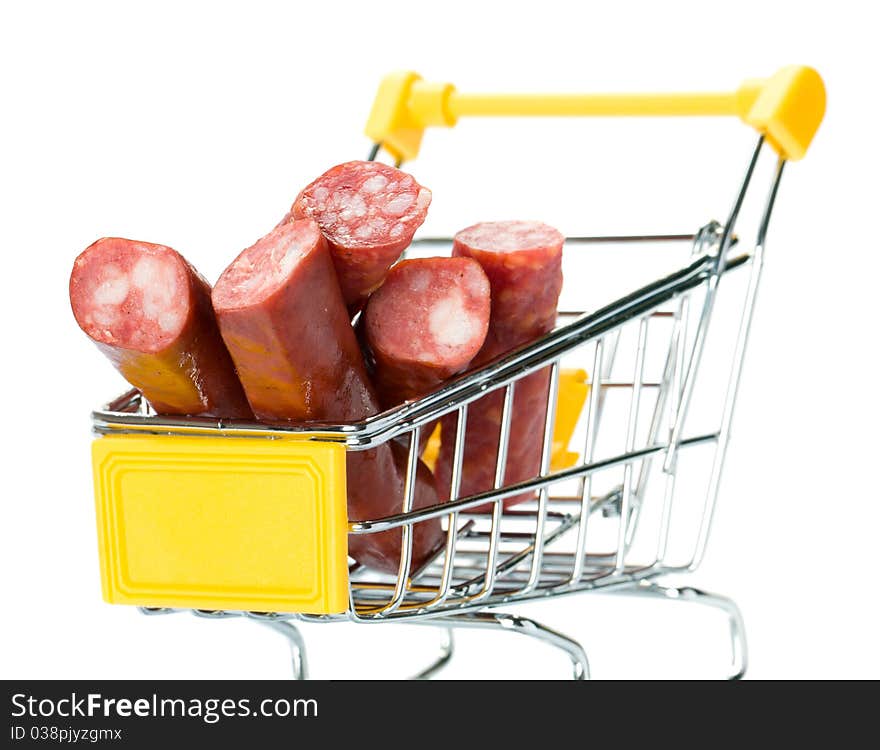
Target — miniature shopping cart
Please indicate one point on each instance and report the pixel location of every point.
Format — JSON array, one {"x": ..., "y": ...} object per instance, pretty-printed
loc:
[{"x": 230, "y": 518}]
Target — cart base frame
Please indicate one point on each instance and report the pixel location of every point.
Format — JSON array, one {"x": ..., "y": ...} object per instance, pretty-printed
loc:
[{"x": 517, "y": 624}]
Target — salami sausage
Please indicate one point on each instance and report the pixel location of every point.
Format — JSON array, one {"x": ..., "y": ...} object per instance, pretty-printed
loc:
[
  {"x": 425, "y": 324},
  {"x": 284, "y": 321},
  {"x": 150, "y": 313},
  {"x": 523, "y": 261},
  {"x": 368, "y": 213}
]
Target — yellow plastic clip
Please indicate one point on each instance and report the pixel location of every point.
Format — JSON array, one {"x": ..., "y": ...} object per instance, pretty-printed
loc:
[
  {"x": 787, "y": 108},
  {"x": 572, "y": 395},
  {"x": 390, "y": 122},
  {"x": 573, "y": 391}
]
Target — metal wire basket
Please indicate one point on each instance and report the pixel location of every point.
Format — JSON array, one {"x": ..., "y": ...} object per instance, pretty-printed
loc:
[{"x": 636, "y": 501}]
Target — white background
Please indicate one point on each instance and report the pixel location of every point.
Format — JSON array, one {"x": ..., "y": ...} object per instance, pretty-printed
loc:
[{"x": 194, "y": 125}]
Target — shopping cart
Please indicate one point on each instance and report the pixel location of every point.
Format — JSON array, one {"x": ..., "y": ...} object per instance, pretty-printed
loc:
[{"x": 228, "y": 518}]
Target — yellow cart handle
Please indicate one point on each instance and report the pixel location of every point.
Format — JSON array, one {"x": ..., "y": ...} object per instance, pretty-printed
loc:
[{"x": 787, "y": 108}]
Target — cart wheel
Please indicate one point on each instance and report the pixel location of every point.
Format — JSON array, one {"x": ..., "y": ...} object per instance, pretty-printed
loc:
[
  {"x": 527, "y": 627},
  {"x": 739, "y": 650}
]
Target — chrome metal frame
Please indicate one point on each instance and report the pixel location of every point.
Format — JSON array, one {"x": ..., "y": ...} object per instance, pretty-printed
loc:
[{"x": 543, "y": 548}]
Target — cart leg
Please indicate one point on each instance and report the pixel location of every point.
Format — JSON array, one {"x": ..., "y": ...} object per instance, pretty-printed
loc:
[
  {"x": 739, "y": 650},
  {"x": 296, "y": 642},
  {"x": 527, "y": 627},
  {"x": 447, "y": 650}
]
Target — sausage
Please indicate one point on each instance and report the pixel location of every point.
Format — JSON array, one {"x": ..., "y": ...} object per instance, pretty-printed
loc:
[
  {"x": 425, "y": 324},
  {"x": 381, "y": 551},
  {"x": 282, "y": 316},
  {"x": 278, "y": 308},
  {"x": 523, "y": 262},
  {"x": 368, "y": 213},
  {"x": 150, "y": 312}
]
